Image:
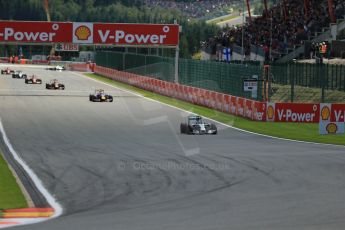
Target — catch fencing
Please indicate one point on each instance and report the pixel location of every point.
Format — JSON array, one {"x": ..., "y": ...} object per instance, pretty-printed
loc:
[
  {"x": 304, "y": 82},
  {"x": 216, "y": 76},
  {"x": 289, "y": 82}
]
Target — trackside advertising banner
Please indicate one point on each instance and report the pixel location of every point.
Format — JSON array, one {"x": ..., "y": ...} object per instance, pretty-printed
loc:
[
  {"x": 136, "y": 34},
  {"x": 35, "y": 32},
  {"x": 293, "y": 112},
  {"x": 259, "y": 111},
  {"x": 89, "y": 33},
  {"x": 305, "y": 113},
  {"x": 338, "y": 113},
  {"x": 331, "y": 119}
]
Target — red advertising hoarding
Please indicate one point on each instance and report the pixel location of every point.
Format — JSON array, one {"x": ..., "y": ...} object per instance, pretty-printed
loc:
[
  {"x": 136, "y": 34},
  {"x": 89, "y": 33},
  {"x": 338, "y": 113},
  {"x": 293, "y": 112},
  {"x": 259, "y": 111},
  {"x": 35, "y": 32},
  {"x": 240, "y": 106},
  {"x": 248, "y": 109}
]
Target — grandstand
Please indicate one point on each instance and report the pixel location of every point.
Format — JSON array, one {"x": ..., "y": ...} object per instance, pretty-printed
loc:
[
  {"x": 196, "y": 9},
  {"x": 283, "y": 32}
]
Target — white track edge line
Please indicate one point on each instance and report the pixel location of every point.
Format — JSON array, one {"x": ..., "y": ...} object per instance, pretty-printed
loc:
[
  {"x": 229, "y": 126},
  {"x": 37, "y": 182}
]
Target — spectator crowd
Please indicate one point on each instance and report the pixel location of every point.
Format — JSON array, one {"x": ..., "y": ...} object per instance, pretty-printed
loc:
[
  {"x": 193, "y": 9},
  {"x": 287, "y": 23}
]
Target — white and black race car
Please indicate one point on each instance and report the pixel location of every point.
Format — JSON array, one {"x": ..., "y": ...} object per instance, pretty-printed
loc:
[
  {"x": 33, "y": 80},
  {"x": 57, "y": 68},
  {"x": 196, "y": 125},
  {"x": 19, "y": 74},
  {"x": 100, "y": 96},
  {"x": 55, "y": 84}
]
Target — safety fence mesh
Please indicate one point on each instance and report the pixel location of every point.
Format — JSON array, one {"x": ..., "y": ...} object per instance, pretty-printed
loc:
[
  {"x": 291, "y": 82},
  {"x": 217, "y": 76}
]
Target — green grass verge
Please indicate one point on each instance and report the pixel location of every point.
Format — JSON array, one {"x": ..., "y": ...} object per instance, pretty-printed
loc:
[
  {"x": 10, "y": 194},
  {"x": 293, "y": 131}
]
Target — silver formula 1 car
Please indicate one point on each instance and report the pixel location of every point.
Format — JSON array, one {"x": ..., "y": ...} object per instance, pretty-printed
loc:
[
  {"x": 100, "y": 96},
  {"x": 196, "y": 125},
  {"x": 19, "y": 74},
  {"x": 57, "y": 68}
]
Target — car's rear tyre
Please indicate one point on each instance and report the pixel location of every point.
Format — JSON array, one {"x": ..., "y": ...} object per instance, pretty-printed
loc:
[
  {"x": 214, "y": 127},
  {"x": 182, "y": 128}
]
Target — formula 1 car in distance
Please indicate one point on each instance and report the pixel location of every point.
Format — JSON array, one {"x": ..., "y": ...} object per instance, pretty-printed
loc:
[
  {"x": 54, "y": 84},
  {"x": 100, "y": 96},
  {"x": 57, "y": 68},
  {"x": 7, "y": 71},
  {"x": 196, "y": 125},
  {"x": 33, "y": 80},
  {"x": 19, "y": 74}
]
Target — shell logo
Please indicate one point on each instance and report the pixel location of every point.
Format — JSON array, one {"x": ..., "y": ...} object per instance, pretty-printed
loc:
[
  {"x": 325, "y": 113},
  {"x": 270, "y": 112},
  {"x": 82, "y": 33},
  {"x": 332, "y": 128}
]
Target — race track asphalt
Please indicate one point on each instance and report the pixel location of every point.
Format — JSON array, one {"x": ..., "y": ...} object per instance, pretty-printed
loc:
[{"x": 124, "y": 165}]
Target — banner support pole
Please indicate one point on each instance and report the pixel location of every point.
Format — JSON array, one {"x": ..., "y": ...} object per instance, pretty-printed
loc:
[{"x": 177, "y": 54}]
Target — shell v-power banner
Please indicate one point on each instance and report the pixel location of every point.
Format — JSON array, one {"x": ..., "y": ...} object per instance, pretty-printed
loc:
[{"x": 89, "y": 33}]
